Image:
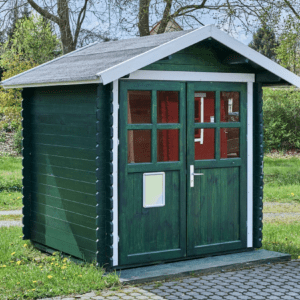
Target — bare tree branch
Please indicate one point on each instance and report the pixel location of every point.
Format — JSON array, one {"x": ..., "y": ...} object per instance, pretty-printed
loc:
[
  {"x": 80, "y": 20},
  {"x": 288, "y": 3},
  {"x": 44, "y": 12}
]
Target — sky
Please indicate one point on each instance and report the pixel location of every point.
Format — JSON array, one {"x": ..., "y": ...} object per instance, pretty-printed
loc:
[{"x": 116, "y": 31}]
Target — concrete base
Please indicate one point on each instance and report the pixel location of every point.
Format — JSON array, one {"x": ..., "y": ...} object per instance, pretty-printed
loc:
[{"x": 201, "y": 266}]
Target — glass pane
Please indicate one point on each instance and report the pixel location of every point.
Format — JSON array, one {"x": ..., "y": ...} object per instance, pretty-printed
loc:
[
  {"x": 230, "y": 142},
  {"x": 230, "y": 106},
  {"x": 139, "y": 146},
  {"x": 204, "y": 143},
  {"x": 139, "y": 107},
  {"x": 167, "y": 107},
  {"x": 204, "y": 107},
  {"x": 167, "y": 145},
  {"x": 154, "y": 189}
]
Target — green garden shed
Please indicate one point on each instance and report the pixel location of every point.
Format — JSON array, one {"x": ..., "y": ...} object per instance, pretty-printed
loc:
[{"x": 146, "y": 150}]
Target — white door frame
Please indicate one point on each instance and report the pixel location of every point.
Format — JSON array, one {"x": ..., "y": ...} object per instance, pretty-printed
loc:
[{"x": 186, "y": 76}]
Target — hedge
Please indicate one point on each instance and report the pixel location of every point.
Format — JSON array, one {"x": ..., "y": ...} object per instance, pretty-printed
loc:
[{"x": 281, "y": 118}]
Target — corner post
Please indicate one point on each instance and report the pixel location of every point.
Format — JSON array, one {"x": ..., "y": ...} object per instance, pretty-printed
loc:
[
  {"x": 250, "y": 164},
  {"x": 258, "y": 166},
  {"x": 115, "y": 172},
  {"x": 26, "y": 161}
]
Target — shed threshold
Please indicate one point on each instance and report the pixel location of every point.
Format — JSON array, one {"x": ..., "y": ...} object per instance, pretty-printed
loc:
[{"x": 201, "y": 266}]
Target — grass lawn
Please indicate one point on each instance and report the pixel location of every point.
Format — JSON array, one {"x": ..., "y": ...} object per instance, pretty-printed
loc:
[
  {"x": 11, "y": 173},
  {"x": 10, "y": 200},
  {"x": 11, "y": 217},
  {"x": 282, "y": 179},
  {"x": 26, "y": 273},
  {"x": 282, "y": 237},
  {"x": 10, "y": 182}
]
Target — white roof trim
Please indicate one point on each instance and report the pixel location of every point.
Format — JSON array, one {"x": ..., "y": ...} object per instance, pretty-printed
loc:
[
  {"x": 187, "y": 40},
  {"x": 191, "y": 76},
  {"x": 52, "y": 84}
]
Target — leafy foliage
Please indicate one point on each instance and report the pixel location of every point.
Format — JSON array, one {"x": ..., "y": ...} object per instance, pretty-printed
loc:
[
  {"x": 281, "y": 119},
  {"x": 18, "y": 141},
  {"x": 288, "y": 51},
  {"x": 264, "y": 41},
  {"x": 32, "y": 43}
]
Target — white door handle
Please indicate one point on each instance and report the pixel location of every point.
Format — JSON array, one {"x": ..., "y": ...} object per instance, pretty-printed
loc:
[{"x": 192, "y": 174}]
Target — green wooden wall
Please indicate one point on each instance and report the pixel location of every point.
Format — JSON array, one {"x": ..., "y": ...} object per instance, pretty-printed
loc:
[
  {"x": 206, "y": 56},
  {"x": 64, "y": 158}
]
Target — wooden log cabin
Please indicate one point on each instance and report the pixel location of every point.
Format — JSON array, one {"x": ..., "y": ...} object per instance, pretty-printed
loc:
[{"x": 146, "y": 150}]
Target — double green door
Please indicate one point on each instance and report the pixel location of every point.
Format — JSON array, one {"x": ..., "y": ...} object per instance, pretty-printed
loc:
[{"x": 182, "y": 169}]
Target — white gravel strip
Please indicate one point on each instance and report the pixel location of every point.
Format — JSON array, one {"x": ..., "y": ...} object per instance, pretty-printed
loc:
[
  {"x": 11, "y": 212},
  {"x": 10, "y": 223}
]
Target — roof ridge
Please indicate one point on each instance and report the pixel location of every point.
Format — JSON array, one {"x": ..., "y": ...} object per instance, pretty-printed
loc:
[{"x": 49, "y": 62}]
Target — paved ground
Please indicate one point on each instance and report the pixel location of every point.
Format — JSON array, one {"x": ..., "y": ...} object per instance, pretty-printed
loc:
[
  {"x": 8, "y": 223},
  {"x": 11, "y": 212},
  {"x": 267, "y": 282}
]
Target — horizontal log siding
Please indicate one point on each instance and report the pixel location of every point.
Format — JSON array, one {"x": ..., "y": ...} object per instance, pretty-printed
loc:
[
  {"x": 201, "y": 57},
  {"x": 104, "y": 171},
  {"x": 63, "y": 208}
]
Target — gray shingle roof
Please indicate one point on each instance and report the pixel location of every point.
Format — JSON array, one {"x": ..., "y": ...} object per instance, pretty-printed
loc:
[{"x": 83, "y": 64}]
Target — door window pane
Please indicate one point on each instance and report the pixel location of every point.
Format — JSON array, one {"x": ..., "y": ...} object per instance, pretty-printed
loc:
[
  {"x": 139, "y": 107},
  {"x": 139, "y": 146},
  {"x": 230, "y": 142},
  {"x": 204, "y": 107},
  {"x": 167, "y": 107},
  {"x": 204, "y": 143},
  {"x": 230, "y": 106},
  {"x": 167, "y": 145}
]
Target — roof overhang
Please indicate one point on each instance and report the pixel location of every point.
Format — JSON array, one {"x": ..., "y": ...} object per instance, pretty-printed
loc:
[
  {"x": 189, "y": 39},
  {"x": 59, "y": 83},
  {"x": 133, "y": 64}
]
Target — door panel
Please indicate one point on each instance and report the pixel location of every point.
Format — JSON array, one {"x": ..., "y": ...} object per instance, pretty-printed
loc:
[
  {"x": 152, "y": 140},
  {"x": 214, "y": 211},
  {"x": 153, "y": 233},
  {"x": 216, "y": 205},
  {"x": 165, "y": 130}
]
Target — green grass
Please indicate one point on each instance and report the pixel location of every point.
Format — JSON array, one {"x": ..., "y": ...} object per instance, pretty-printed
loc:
[
  {"x": 26, "y": 273},
  {"x": 10, "y": 217},
  {"x": 10, "y": 173},
  {"x": 275, "y": 207},
  {"x": 10, "y": 182},
  {"x": 282, "y": 237},
  {"x": 10, "y": 200},
  {"x": 282, "y": 179},
  {"x": 286, "y": 193}
]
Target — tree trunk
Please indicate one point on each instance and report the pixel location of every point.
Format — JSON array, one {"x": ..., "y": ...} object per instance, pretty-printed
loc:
[
  {"x": 143, "y": 24},
  {"x": 64, "y": 26},
  {"x": 166, "y": 17}
]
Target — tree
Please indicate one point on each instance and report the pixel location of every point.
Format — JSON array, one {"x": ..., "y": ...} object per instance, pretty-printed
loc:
[
  {"x": 70, "y": 17},
  {"x": 69, "y": 41},
  {"x": 32, "y": 43},
  {"x": 264, "y": 41},
  {"x": 288, "y": 52},
  {"x": 76, "y": 22},
  {"x": 230, "y": 15}
]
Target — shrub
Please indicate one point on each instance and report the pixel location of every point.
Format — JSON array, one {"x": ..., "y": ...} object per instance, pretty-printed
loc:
[
  {"x": 281, "y": 119},
  {"x": 18, "y": 141}
]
